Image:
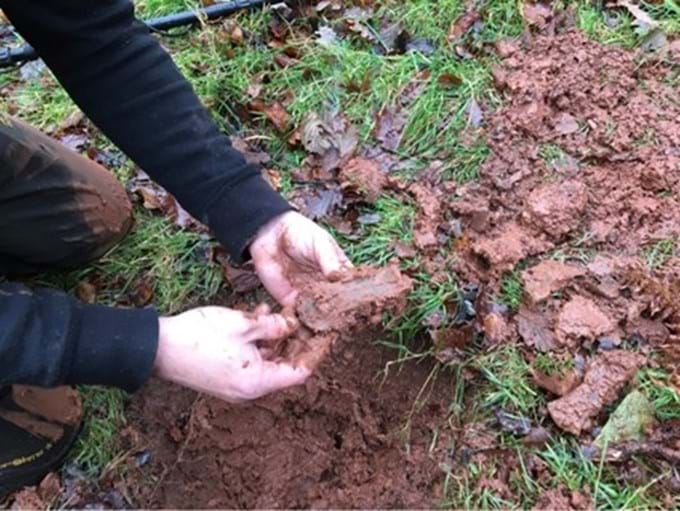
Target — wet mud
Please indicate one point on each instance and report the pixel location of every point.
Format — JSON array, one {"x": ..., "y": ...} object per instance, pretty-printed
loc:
[
  {"x": 329, "y": 311},
  {"x": 337, "y": 442},
  {"x": 581, "y": 185}
]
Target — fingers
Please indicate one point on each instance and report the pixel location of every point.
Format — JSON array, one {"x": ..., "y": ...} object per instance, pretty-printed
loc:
[
  {"x": 331, "y": 259},
  {"x": 271, "y": 327},
  {"x": 279, "y": 376}
]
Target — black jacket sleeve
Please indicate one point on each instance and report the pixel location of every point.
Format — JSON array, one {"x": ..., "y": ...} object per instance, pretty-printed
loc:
[
  {"x": 49, "y": 339},
  {"x": 129, "y": 87}
]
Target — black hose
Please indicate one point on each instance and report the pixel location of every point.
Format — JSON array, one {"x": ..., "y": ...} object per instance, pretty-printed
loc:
[{"x": 13, "y": 56}]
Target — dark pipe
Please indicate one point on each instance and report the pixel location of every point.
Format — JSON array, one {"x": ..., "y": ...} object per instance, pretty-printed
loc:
[{"x": 13, "y": 56}]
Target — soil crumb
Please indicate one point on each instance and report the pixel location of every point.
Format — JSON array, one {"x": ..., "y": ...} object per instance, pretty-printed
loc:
[{"x": 606, "y": 375}]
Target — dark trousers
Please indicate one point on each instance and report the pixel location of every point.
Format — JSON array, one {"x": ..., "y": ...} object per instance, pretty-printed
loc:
[{"x": 58, "y": 209}]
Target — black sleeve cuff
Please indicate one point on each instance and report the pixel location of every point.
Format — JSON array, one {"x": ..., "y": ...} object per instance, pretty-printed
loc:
[
  {"x": 238, "y": 214},
  {"x": 115, "y": 347}
]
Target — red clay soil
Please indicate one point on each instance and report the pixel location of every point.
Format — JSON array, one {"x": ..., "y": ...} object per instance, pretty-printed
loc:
[
  {"x": 334, "y": 443},
  {"x": 584, "y": 176}
]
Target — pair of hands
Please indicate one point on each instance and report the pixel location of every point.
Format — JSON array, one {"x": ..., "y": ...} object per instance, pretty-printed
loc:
[{"x": 213, "y": 349}]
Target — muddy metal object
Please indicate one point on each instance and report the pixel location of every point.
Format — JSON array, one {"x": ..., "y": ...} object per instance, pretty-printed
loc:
[{"x": 16, "y": 56}]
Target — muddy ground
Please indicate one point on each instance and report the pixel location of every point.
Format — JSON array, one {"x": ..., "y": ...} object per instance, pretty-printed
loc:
[
  {"x": 337, "y": 442},
  {"x": 582, "y": 182},
  {"x": 579, "y": 192}
]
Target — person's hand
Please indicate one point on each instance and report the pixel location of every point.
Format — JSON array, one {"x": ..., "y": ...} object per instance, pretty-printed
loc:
[
  {"x": 213, "y": 350},
  {"x": 292, "y": 246}
]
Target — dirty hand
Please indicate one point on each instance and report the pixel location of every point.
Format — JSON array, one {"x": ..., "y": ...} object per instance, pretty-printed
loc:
[
  {"x": 291, "y": 245},
  {"x": 213, "y": 350}
]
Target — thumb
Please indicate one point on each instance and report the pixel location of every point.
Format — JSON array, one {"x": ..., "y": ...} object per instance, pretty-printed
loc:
[{"x": 272, "y": 327}]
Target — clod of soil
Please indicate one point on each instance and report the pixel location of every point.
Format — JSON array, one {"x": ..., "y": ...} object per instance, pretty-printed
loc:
[
  {"x": 503, "y": 250},
  {"x": 606, "y": 375},
  {"x": 353, "y": 304},
  {"x": 547, "y": 277},
  {"x": 581, "y": 318}
]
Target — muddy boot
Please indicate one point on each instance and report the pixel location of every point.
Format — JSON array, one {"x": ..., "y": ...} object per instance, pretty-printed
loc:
[{"x": 37, "y": 429}]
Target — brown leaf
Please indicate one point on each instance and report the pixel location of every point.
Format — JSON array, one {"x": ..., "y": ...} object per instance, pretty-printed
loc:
[
  {"x": 278, "y": 116},
  {"x": 155, "y": 198},
  {"x": 252, "y": 154},
  {"x": 332, "y": 140},
  {"x": 363, "y": 176},
  {"x": 535, "y": 330},
  {"x": 449, "y": 81},
  {"x": 142, "y": 291},
  {"x": 537, "y": 13},
  {"x": 389, "y": 127},
  {"x": 450, "y": 343},
  {"x": 86, "y": 292},
  {"x": 316, "y": 204},
  {"x": 241, "y": 279},
  {"x": 462, "y": 24}
]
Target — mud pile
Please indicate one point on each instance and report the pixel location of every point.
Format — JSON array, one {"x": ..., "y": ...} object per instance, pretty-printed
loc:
[
  {"x": 329, "y": 311},
  {"x": 582, "y": 183},
  {"x": 338, "y": 442}
]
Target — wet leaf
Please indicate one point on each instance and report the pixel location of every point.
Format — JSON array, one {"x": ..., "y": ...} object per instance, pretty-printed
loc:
[
  {"x": 278, "y": 116},
  {"x": 462, "y": 24},
  {"x": 450, "y": 343},
  {"x": 74, "y": 141},
  {"x": 475, "y": 115},
  {"x": 514, "y": 424},
  {"x": 241, "y": 279},
  {"x": 389, "y": 35},
  {"x": 142, "y": 291},
  {"x": 389, "y": 127},
  {"x": 326, "y": 36},
  {"x": 449, "y": 81},
  {"x": 537, "y": 13},
  {"x": 629, "y": 421},
  {"x": 642, "y": 19},
  {"x": 655, "y": 40},
  {"x": 86, "y": 292},
  {"x": 332, "y": 139},
  {"x": 252, "y": 153},
  {"x": 316, "y": 203},
  {"x": 421, "y": 45},
  {"x": 155, "y": 198},
  {"x": 535, "y": 330}
]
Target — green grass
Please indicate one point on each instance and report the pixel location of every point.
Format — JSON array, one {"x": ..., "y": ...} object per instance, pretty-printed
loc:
[
  {"x": 375, "y": 243},
  {"x": 512, "y": 290},
  {"x": 659, "y": 253},
  {"x": 105, "y": 416}
]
